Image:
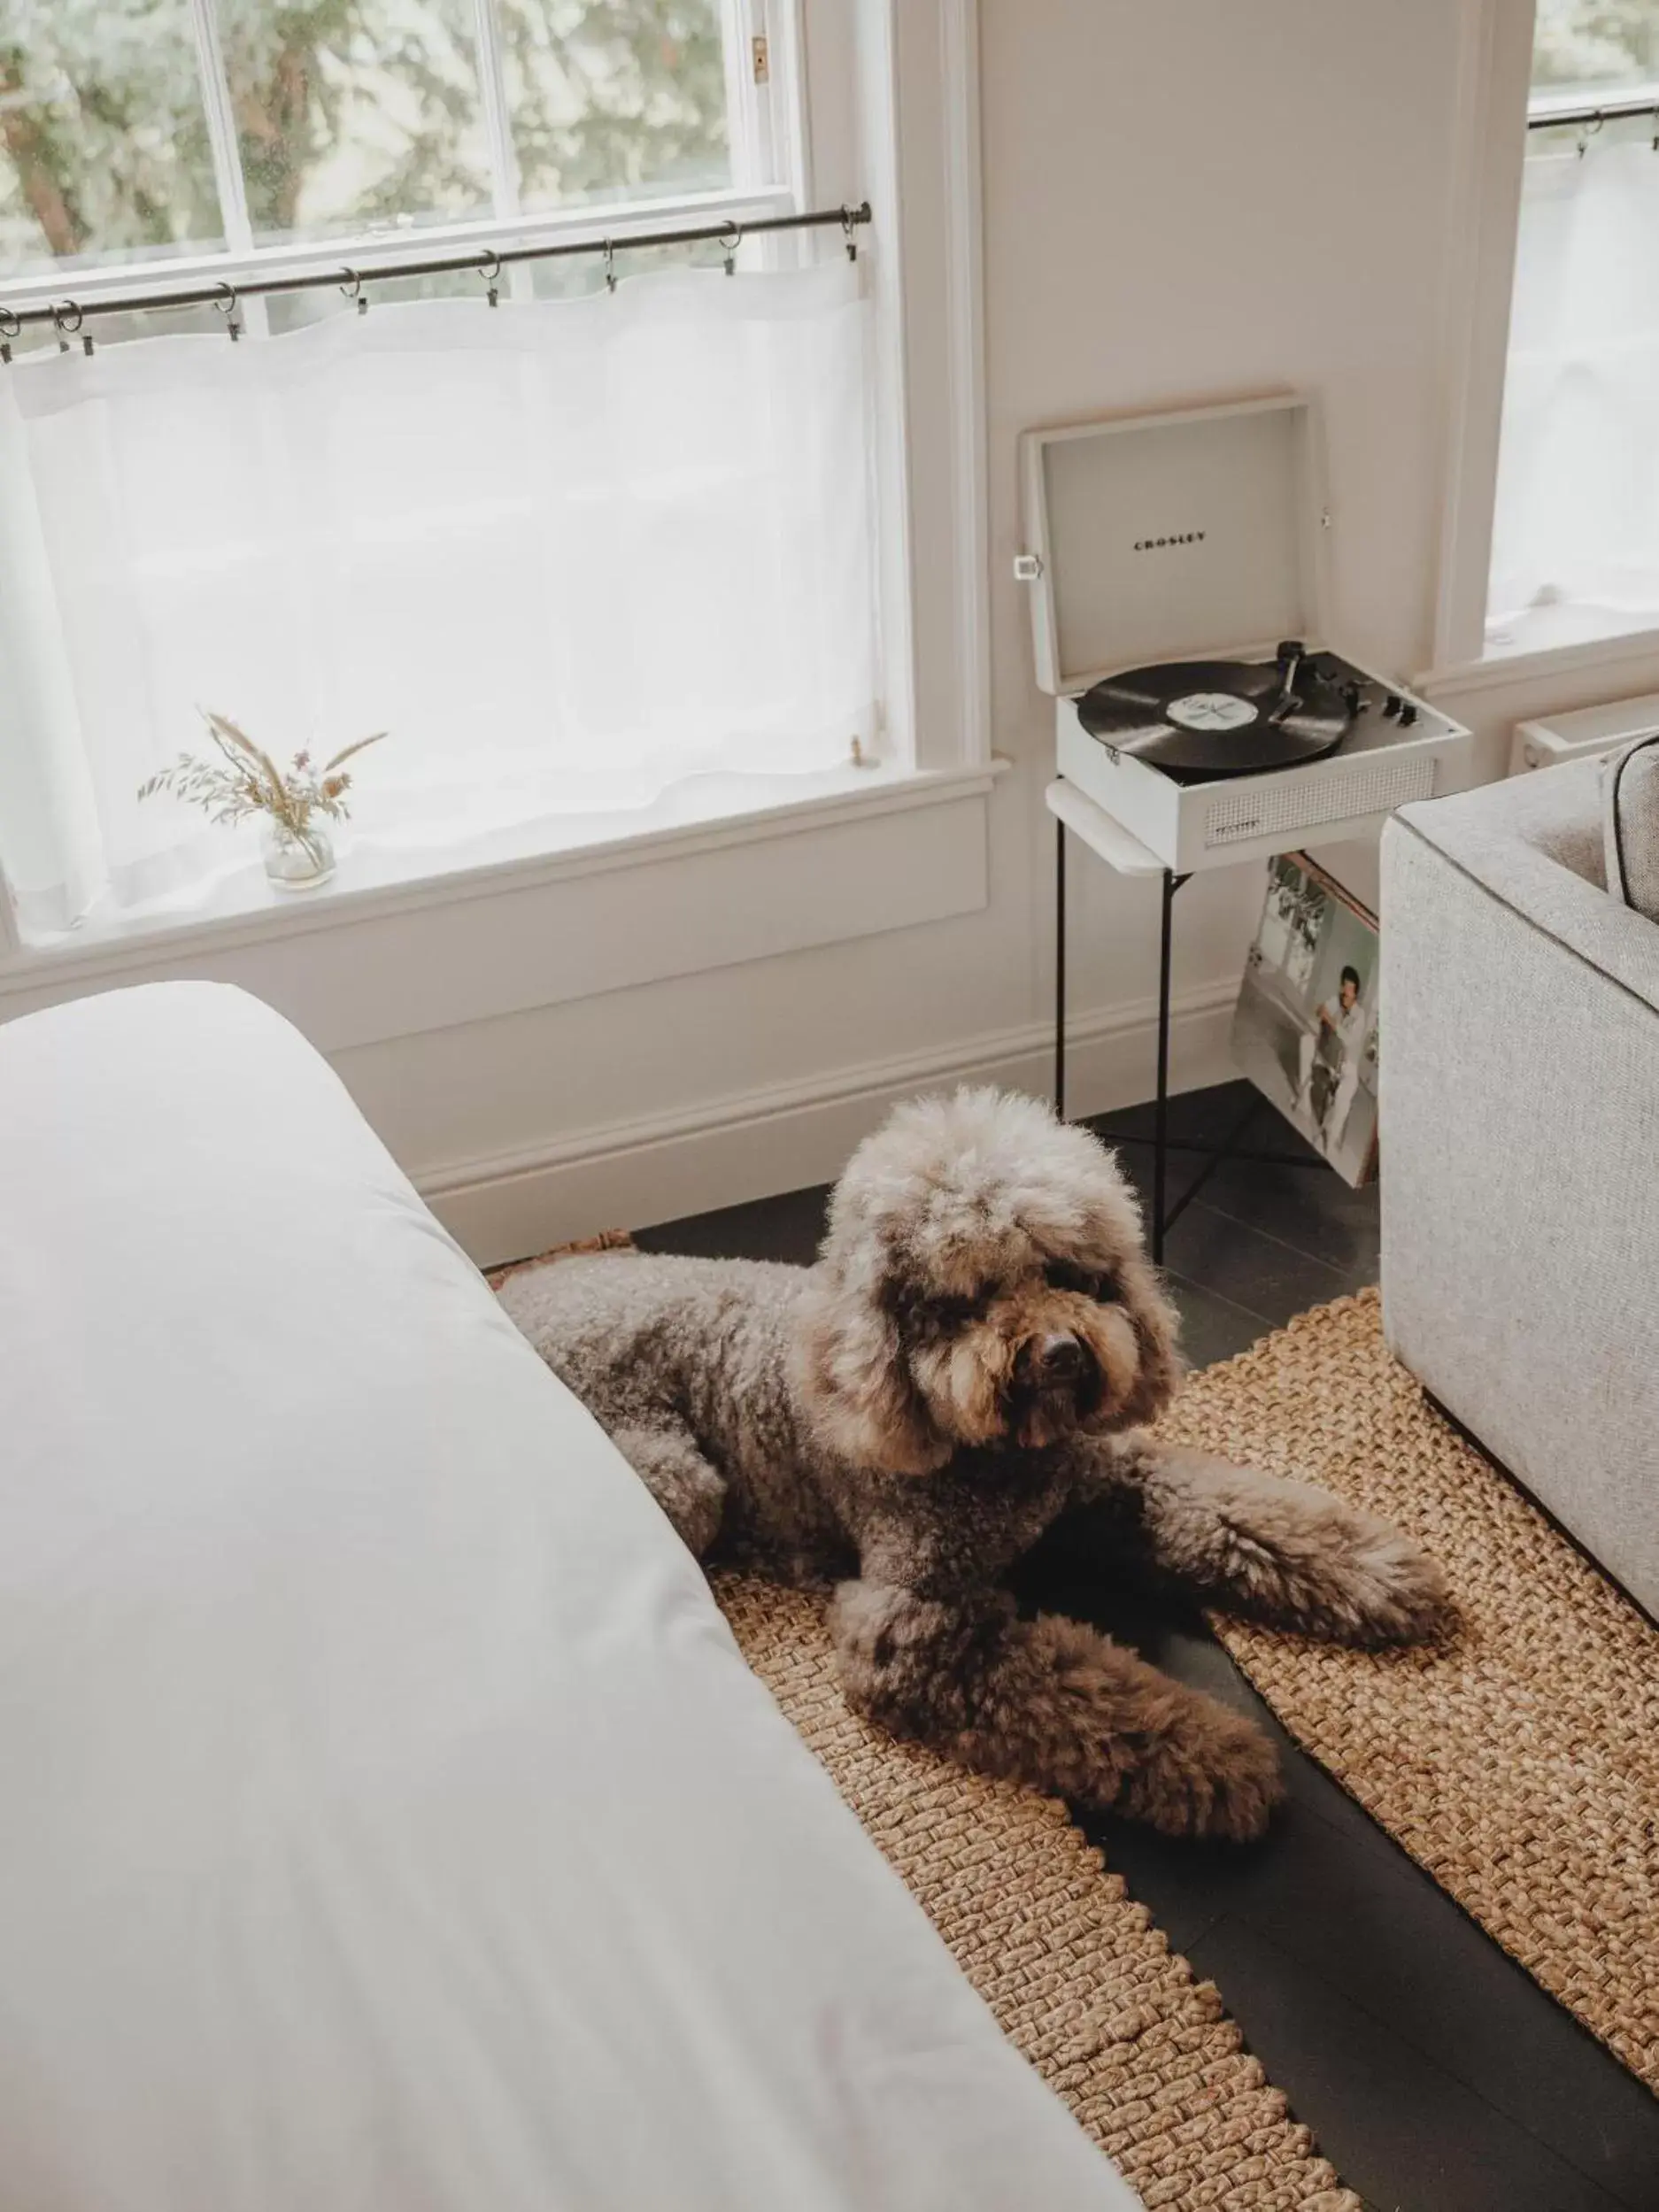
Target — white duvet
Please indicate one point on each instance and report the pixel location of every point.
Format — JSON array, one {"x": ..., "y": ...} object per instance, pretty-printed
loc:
[{"x": 387, "y": 1819}]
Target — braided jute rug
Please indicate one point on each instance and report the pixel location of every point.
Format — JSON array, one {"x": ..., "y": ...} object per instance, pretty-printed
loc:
[{"x": 1519, "y": 1765}]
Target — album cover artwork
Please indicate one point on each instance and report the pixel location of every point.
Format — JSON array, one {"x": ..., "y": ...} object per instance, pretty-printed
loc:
[{"x": 1305, "y": 1029}]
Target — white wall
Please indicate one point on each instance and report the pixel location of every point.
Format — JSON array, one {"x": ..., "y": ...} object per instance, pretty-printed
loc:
[{"x": 1181, "y": 201}]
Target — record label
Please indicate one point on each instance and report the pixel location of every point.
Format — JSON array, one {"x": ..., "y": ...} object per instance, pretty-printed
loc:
[{"x": 1211, "y": 710}]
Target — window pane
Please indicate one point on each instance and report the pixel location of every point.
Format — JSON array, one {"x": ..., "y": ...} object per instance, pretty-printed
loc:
[
  {"x": 351, "y": 114},
  {"x": 103, "y": 150},
  {"x": 1595, "y": 45},
  {"x": 616, "y": 98}
]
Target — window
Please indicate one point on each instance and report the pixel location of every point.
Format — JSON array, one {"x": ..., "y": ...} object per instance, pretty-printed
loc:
[
  {"x": 1575, "y": 542},
  {"x": 571, "y": 554},
  {"x": 137, "y": 130}
]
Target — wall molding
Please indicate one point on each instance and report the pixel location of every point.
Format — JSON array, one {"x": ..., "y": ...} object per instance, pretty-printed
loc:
[
  {"x": 131, "y": 955},
  {"x": 781, "y": 1137},
  {"x": 1489, "y": 135},
  {"x": 917, "y": 854},
  {"x": 921, "y": 112},
  {"x": 964, "y": 277}
]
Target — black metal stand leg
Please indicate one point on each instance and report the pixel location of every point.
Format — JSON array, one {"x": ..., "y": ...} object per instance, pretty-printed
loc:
[
  {"x": 1164, "y": 1215},
  {"x": 1060, "y": 970},
  {"x": 1161, "y": 1117},
  {"x": 1228, "y": 1149}
]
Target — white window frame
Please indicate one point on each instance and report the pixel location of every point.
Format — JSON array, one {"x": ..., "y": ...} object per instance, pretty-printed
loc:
[
  {"x": 1490, "y": 127},
  {"x": 860, "y": 61}
]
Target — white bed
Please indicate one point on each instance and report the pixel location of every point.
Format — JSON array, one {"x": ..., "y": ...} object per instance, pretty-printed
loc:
[{"x": 387, "y": 1819}]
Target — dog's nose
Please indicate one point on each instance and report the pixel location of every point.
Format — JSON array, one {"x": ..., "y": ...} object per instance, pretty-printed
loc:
[{"x": 1059, "y": 1359}]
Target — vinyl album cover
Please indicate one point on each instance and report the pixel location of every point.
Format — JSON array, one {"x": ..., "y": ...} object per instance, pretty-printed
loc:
[{"x": 1305, "y": 1029}]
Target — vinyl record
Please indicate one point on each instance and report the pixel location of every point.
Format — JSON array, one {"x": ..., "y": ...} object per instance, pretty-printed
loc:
[{"x": 1214, "y": 718}]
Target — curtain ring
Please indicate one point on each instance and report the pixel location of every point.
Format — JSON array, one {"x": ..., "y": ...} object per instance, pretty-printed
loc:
[
  {"x": 66, "y": 329},
  {"x": 228, "y": 308},
  {"x": 734, "y": 239},
  {"x": 1588, "y": 131},
  {"x": 11, "y": 326},
  {"x": 849, "y": 233},
  {"x": 492, "y": 277},
  {"x": 610, "y": 266},
  {"x": 354, "y": 289},
  {"x": 1656, "y": 127}
]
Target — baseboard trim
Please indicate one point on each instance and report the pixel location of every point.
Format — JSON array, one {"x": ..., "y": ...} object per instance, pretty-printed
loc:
[{"x": 755, "y": 1144}]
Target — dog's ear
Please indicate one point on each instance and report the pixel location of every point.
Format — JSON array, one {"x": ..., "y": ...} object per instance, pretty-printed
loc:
[
  {"x": 1157, "y": 1328},
  {"x": 852, "y": 1375}
]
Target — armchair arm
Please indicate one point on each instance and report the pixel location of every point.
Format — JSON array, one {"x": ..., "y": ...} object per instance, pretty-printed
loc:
[{"x": 1535, "y": 845}]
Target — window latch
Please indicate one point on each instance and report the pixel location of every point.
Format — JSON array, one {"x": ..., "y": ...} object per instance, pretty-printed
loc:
[
  {"x": 762, "y": 59},
  {"x": 1027, "y": 567}
]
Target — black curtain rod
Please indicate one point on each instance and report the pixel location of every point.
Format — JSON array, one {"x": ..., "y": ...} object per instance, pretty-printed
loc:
[
  {"x": 68, "y": 313},
  {"x": 1611, "y": 110}
]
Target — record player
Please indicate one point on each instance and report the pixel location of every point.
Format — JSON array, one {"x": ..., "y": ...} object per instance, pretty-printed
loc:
[{"x": 1176, "y": 571}]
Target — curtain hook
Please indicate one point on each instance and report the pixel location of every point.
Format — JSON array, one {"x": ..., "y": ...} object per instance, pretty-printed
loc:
[
  {"x": 11, "y": 326},
  {"x": 1588, "y": 131},
  {"x": 492, "y": 277},
  {"x": 66, "y": 329},
  {"x": 734, "y": 239},
  {"x": 1656, "y": 127},
  {"x": 228, "y": 308},
  {"x": 849, "y": 233},
  {"x": 610, "y": 266},
  {"x": 354, "y": 289}
]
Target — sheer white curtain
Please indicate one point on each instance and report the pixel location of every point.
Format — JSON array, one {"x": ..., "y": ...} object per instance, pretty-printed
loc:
[
  {"x": 567, "y": 552},
  {"x": 1577, "y": 523}
]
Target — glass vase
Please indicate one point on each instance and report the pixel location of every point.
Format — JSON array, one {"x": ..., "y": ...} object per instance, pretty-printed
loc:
[{"x": 296, "y": 860}]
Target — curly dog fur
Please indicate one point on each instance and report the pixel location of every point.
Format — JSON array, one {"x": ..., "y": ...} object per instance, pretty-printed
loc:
[{"x": 975, "y": 1352}]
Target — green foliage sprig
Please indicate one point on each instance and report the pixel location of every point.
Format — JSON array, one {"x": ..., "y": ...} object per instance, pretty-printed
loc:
[{"x": 245, "y": 780}]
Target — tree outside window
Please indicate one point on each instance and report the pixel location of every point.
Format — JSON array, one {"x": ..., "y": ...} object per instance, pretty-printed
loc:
[
  {"x": 1600, "y": 45},
  {"x": 349, "y": 115}
]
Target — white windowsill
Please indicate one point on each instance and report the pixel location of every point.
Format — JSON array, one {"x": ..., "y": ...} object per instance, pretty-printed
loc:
[
  {"x": 702, "y": 815},
  {"x": 1495, "y": 671}
]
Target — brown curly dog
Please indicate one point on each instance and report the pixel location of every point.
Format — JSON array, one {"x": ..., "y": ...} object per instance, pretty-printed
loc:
[{"x": 975, "y": 1352}]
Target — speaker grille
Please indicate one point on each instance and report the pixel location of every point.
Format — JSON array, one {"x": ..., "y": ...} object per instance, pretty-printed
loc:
[{"x": 1304, "y": 802}]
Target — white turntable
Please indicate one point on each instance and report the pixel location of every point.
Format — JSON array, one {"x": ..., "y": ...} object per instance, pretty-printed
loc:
[
  {"x": 1176, "y": 571},
  {"x": 1176, "y": 567}
]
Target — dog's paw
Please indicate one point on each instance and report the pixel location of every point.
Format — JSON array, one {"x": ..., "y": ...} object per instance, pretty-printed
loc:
[
  {"x": 1209, "y": 1772},
  {"x": 1381, "y": 1589}
]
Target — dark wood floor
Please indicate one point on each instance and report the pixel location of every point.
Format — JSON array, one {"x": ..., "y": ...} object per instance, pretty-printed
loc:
[{"x": 1434, "y": 2072}]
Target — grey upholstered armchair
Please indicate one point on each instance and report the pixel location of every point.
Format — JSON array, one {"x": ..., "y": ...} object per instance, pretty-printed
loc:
[{"x": 1519, "y": 1068}]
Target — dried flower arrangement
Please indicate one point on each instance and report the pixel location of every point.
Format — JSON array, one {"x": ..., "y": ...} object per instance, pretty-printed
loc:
[{"x": 246, "y": 781}]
